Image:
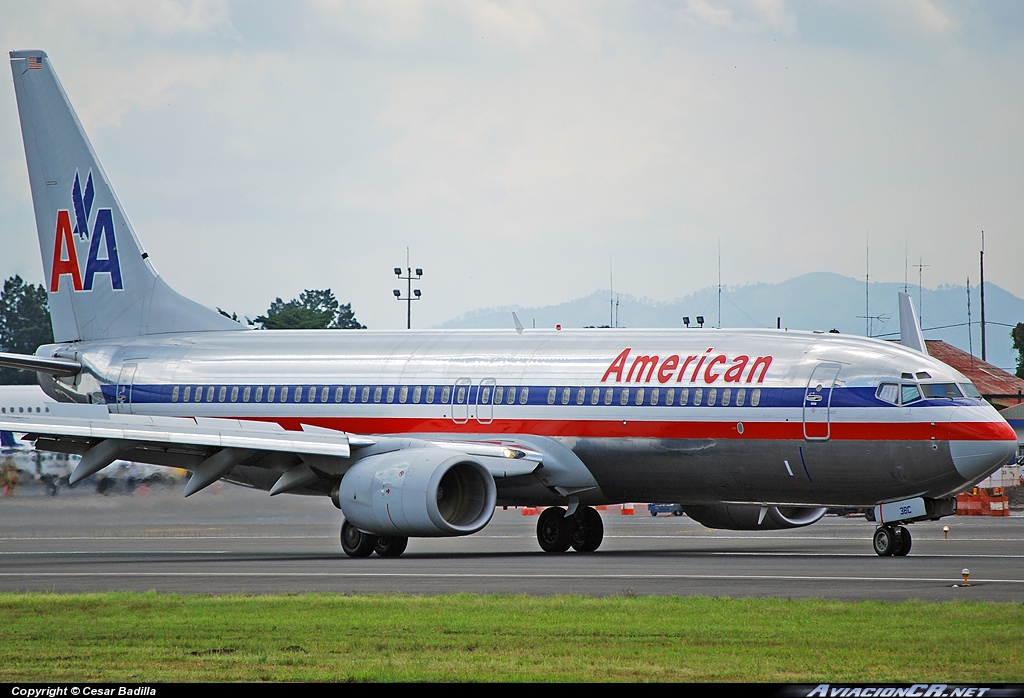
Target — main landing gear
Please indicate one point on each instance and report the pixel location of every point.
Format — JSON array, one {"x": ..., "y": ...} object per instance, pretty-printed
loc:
[
  {"x": 356, "y": 543},
  {"x": 891, "y": 540},
  {"x": 583, "y": 531}
]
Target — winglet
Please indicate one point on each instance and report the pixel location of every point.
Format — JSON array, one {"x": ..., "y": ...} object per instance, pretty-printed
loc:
[
  {"x": 519, "y": 325},
  {"x": 910, "y": 331}
]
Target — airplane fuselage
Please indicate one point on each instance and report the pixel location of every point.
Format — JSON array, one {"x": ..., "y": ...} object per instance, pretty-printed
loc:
[{"x": 696, "y": 416}]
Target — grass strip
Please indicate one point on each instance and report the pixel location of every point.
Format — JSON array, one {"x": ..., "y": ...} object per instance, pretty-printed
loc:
[{"x": 128, "y": 637}]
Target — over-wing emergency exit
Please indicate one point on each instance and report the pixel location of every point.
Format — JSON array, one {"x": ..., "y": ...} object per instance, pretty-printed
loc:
[{"x": 423, "y": 433}]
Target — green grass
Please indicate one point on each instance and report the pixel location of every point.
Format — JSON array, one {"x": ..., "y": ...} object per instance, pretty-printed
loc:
[{"x": 319, "y": 637}]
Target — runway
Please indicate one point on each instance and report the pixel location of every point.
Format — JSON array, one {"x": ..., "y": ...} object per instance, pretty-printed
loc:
[{"x": 230, "y": 540}]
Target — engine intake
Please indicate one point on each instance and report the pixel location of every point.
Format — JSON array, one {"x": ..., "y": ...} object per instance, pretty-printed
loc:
[
  {"x": 426, "y": 492},
  {"x": 744, "y": 517}
]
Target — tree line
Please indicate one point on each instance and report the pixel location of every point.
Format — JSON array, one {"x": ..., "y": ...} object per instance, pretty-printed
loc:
[{"x": 25, "y": 320}]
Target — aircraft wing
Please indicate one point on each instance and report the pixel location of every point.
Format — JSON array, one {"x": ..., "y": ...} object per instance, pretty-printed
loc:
[{"x": 212, "y": 447}]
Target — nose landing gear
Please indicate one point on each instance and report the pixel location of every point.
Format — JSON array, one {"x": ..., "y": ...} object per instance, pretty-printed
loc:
[{"x": 891, "y": 540}]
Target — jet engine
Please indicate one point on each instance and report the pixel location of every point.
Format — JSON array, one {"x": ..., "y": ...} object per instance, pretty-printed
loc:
[
  {"x": 418, "y": 492},
  {"x": 748, "y": 517}
]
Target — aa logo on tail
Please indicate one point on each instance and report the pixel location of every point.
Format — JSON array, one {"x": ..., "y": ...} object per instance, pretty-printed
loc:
[{"x": 102, "y": 257}]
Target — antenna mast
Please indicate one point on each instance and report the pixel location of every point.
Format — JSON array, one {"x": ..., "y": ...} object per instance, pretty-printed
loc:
[
  {"x": 970, "y": 338},
  {"x": 867, "y": 288},
  {"x": 983, "y": 356}
]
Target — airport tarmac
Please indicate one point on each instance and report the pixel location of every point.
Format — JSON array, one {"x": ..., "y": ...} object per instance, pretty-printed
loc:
[{"x": 231, "y": 540}]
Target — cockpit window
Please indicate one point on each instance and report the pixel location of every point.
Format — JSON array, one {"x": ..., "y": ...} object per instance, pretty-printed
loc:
[
  {"x": 909, "y": 393},
  {"x": 970, "y": 390},
  {"x": 888, "y": 392},
  {"x": 940, "y": 390}
]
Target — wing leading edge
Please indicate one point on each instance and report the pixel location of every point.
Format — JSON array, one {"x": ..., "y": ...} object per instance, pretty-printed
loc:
[{"x": 212, "y": 447}]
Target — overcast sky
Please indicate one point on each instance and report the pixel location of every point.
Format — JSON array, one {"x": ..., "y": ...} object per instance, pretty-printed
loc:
[{"x": 520, "y": 148}]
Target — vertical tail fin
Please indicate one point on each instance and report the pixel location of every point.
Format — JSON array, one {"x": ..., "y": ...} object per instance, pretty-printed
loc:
[
  {"x": 101, "y": 283},
  {"x": 910, "y": 331}
]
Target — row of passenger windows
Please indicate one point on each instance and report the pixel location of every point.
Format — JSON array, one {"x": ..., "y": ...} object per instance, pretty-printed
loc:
[
  {"x": 641, "y": 396},
  {"x": 22, "y": 410},
  {"x": 430, "y": 394}
]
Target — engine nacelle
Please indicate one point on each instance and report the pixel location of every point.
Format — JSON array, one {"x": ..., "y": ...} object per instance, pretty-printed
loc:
[
  {"x": 418, "y": 492},
  {"x": 744, "y": 517}
]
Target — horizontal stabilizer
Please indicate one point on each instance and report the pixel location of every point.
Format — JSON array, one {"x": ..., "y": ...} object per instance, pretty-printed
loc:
[{"x": 41, "y": 364}]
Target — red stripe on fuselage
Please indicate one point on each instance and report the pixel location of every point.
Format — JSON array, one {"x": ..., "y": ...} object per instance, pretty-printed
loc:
[{"x": 768, "y": 431}]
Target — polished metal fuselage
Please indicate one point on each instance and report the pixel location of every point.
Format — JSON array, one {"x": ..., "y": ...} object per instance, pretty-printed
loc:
[{"x": 695, "y": 416}]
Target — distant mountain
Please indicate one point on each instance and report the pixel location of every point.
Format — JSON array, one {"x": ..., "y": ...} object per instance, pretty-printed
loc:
[{"x": 815, "y": 301}]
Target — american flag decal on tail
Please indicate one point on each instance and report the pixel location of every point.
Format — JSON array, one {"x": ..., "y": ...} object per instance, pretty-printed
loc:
[{"x": 35, "y": 62}]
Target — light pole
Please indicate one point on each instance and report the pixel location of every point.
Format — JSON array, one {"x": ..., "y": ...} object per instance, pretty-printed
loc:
[{"x": 410, "y": 293}]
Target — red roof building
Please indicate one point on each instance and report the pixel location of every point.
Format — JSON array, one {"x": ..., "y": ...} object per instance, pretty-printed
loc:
[{"x": 1000, "y": 388}]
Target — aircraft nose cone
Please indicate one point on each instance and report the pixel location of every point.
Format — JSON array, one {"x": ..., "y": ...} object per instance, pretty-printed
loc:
[{"x": 976, "y": 458}]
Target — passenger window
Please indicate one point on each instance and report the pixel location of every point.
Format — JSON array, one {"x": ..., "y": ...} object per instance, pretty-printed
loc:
[
  {"x": 352, "y": 393},
  {"x": 271, "y": 393},
  {"x": 511, "y": 396},
  {"x": 430, "y": 394},
  {"x": 684, "y": 396},
  {"x": 524, "y": 396},
  {"x": 712, "y": 394},
  {"x": 499, "y": 394},
  {"x": 595, "y": 396},
  {"x": 608, "y": 393},
  {"x": 222, "y": 393},
  {"x": 391, "y": 394},
  {"x": 324, "y": 393},
  {"x": 485, "y": 395},
  {"x": 446, "y": 393},
  {"x": 624, "y": 396},
  {"x": 259, "y": 393},
  {"x": 403, "y": 394},
  {"x": 174, "y": 394},
  {"x": 284, "y": 393},
  {"x": 551, "y": 396},
  {"x": 209, "y": 394},
  {"x": 377, "y": 393},
  {"x": 670, "y": 396},
  {"x": 246, "y": 393},
  {"x": 234, "y": 393},
  {"x": 639, "y": 396},
  {"x": 339, "y": 394},
  {"x": 581, "y": 395},
  {"x": 698, "y": 393},
  {"x": 654, "y": 396},
  {"x": 417, "y": 392},
  {"x": 755, "y": 397},
  {"x": 566, "y": 394},
  {"x": 726, "y": 394}
]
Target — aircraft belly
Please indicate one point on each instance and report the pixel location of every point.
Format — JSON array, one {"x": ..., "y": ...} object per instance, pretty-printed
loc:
[{"x": 837, "y": 473}]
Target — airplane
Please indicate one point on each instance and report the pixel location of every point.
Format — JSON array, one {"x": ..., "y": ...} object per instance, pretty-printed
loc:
[
  {"x": 21, "y": 399},
  {"x": 424, "y": 433}
]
